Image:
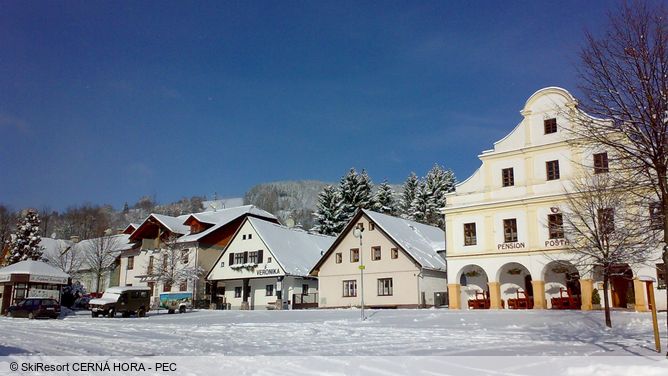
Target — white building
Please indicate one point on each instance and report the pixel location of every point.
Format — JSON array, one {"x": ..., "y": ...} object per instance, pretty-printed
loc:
[
  {"x": 502, "y": 223},
  {"x": 266, "y": 266},
  {"x": 403, "y": 262}
]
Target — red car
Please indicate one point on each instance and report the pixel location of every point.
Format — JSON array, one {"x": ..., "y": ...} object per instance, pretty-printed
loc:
[{"x": 35, "y": 307}]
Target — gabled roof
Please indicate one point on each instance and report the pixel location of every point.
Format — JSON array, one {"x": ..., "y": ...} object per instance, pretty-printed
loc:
[
  {"x": 34, "y": 268},
  {"x": 53, "y": 248},
  {"x": 419, "y": 241},
  {"x": 130, "y": 228},
  {"x": 296, "y": 251},
  {"x": 221, "y": 218},
  {"x": 173, "y": 224}
]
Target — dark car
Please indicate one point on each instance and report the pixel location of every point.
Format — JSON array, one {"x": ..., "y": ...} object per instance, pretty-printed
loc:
[
  {"x": 81, "y": 303},
  {"x": 35, "y": 307}
]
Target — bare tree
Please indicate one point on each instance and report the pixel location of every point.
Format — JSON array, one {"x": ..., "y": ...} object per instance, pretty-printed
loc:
[
  {"x": 68, "y": 258},
  {"x": 601, "y": 226},
  {"x": 624, "y": 79},
  {"x": 7, "y": 219},
  {"x": 99, "y": 256},
  {"x": 173, "y": 264}
]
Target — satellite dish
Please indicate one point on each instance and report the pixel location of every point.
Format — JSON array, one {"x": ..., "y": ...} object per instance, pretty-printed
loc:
[{"x": 290, "y": 222}]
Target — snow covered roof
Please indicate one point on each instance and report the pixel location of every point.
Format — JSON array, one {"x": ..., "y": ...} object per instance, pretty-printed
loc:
[
  {"x": 53, "y": 248},
  {"x": 174, "y": 224},
  {"x": 221, "y": 218},
  {"x": 421, "y": 241},
  {"x": 295, "y": 250},
  {"x": 33, "y": 268},
  {"x": 115, "y": 243},
  {"x": 225, "y": 203}
]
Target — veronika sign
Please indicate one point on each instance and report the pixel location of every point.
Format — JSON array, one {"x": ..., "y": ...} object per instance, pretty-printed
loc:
[{"x": 268, "y": 271}]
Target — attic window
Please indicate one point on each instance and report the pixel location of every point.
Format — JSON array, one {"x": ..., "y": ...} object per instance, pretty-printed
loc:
[
  {"x": 371, "y": 226},
  {"x": 244, "y": 237},
  {"x": 250, "y": 236},
  {"x": 550, "y": 125}
]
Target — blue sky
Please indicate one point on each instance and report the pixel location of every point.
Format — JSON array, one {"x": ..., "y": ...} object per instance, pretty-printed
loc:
[{"x": 105, "y": 102}]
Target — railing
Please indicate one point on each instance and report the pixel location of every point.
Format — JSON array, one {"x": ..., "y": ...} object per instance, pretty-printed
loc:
[{"x": 304, "y": 301}]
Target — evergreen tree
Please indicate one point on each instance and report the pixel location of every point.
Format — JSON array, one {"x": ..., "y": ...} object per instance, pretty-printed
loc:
[
  {"x": 330, "y": 220},
  {"x": 438, "y": 182},
  {"x": 365, "y": 196},
  {"x": 26, "y": 239},
  {"x": 410, "y": 189},
  {"x": 384, "y": 199},
  {"x": 422, "y": 204}
]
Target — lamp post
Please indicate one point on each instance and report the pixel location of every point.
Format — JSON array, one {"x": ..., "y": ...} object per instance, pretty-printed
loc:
[{"x": 357, "y": 232}]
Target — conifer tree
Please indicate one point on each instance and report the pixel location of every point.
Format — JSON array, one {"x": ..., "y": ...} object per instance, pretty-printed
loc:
[
  {"x": 384, "y": 200},
  {"x": 410, "y": 189},
  {"x": 438, "y": 182},
  {"x": 330, "y": 220},
  {"x": 422, "y": 204},
  {"x": 25, "y": 242},
  {"x": 365, "y": 196}
]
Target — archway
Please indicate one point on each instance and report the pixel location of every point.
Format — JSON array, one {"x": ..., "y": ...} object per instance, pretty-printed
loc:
[
  {"x": 622, "y": 292},
  {"x": 515, "y": 284},
  {"x": 562, "y": 285},
  {"x": 474, "y": 290}
]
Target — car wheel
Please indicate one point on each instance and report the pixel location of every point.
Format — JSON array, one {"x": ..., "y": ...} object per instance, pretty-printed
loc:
[
  {"x": 31, "y": 315},
  {"x": 141, "y": 312},
  {"x": 170, "y": 311},
  {"x": 111, "y": 313},
  {"x": 182, "y": 309},
  {"x": 94, "y": 314},
  {"x": 10, "y": 314}
]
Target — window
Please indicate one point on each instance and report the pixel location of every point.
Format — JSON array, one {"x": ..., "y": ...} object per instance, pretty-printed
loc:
[
  {"x": 552, "y": 168},
  {"x": 508, "y": 177},
  {"x": 349, "y": 288},
  {"x": 305, "y": 289},
  {"x": 184, "y": 256},
  {"x": 149, "y": 270},
  {"x": 510, "y": 230},
  {"x": 167, "y": 287},
  {"x": 252, "y": 257},
  {"x": 600, "y": 163},
  {"x": 555, "y": 224},
  {"x": 164, "y": 262},
  {"x": 269, "y": 290},
  {"x": 660, "y": 277},
  {"x": 606, "y": 220},
  {"x": 250, "y": 236},
  {"x": 656, "y": 216},
  {"x": 239, "y": 258},
  {"x": 131, "y": 262},
  {"x": 339, "y": 258},
  {"x": 243, "y": 237},
  {"x": 550, "y": 126},
  {"x": 183, "y": 286},
  {"x": 354, "y": 255},
  {"x": 469, "y": 234},
  {"x": 268, "y": 260},
  {"x": 385, "y": 287},
  {"x": 394, "y": 252},
  {"x": 372, "y": 226},
  {"x": 375, "y": 253},
  {"x": 237, "y": 292}
]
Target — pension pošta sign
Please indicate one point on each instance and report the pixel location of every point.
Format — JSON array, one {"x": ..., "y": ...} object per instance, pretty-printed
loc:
[{"x": 522, "y": 245}]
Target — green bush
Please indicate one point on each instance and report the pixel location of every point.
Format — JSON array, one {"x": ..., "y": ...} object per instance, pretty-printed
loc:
[{"x": 595, "y": 298}]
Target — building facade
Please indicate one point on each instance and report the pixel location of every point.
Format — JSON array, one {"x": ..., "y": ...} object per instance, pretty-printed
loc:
[
  {"x": 403, "y": 264},
  {"x": 505, "y": 246},
  {"x": 266, "y": 266}
]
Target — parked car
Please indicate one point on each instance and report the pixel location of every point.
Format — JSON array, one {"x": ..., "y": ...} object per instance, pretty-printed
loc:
[
  {"x": 82, "y": 303},
  {"x": 176, "y": 301},
  {"x": 33, "y": 308},
  {"x": 125, "y": 300}
]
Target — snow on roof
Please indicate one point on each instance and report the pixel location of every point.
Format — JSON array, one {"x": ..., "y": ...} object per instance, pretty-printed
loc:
[
  {"x": 296, "y": 251},
  {"x": 421, "y": 241},
  {"x": 34, "y": 268},
  {"x": 222, "y": 217},
  {"x": 115, "y": 243},
  {"x": 53, "y": 248},
  {"x": 173, "y": 224}
]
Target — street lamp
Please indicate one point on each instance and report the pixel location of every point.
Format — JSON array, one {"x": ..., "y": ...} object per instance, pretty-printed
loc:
[{"x": 357, "y": 232}]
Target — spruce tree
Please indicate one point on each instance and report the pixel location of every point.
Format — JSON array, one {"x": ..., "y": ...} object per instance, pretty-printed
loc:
[
  {"x": 410, "y": 189},
  {"x": 328, "y": 214},
  {"x": 437, "y": 183},
  {"x": 25, "y": 242},
  {"x": 365, "y": 196},
  {"x": 422, "y": 204},
  {"x": 384, "y": 199}
]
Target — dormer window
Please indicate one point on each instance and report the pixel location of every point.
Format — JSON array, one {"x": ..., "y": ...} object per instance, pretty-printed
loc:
[{"x": 550, "y": 125}]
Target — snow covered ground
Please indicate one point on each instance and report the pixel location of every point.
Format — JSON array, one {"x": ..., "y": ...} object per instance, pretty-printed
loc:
[{"x": 322, "y": 333}]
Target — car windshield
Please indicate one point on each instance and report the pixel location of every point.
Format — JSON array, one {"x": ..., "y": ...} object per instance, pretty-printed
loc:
[{"x": 110, "y": 296}]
